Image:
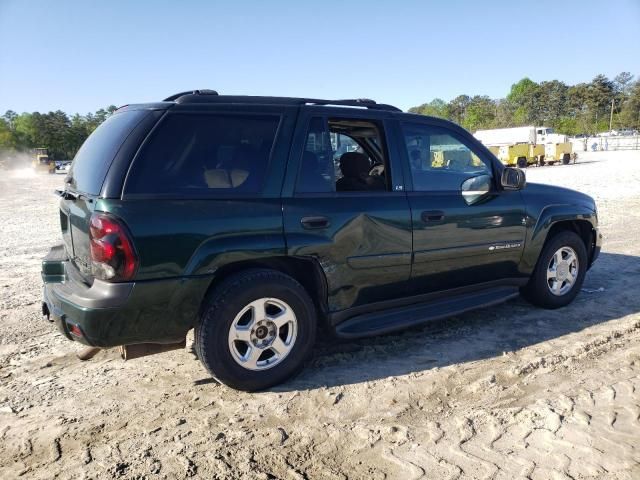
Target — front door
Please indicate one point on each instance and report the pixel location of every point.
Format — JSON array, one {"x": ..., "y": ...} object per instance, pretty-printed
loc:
[
  {"x": 347, "y": 207},
  {"x": 461, "y": 235}
]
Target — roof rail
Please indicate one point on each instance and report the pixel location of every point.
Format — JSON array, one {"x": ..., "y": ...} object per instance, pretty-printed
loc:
[
  {"x": 206, "y": 96},
  {"x": 356, "y": 102},
  {"x": 190, "y": 92}
]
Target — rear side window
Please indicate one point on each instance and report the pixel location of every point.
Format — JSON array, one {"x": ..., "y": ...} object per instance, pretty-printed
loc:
[
  {"x": 343, "y": 155},
  {"x": 196, "y": 154},
  {"x": 91, "y": 163}
]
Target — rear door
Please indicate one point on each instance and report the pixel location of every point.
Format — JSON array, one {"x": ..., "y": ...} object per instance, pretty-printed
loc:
[
  {"x": 459, "y": 238},
  {"x": 344, "y": 205},
  {"x": 87, "y": 175}
]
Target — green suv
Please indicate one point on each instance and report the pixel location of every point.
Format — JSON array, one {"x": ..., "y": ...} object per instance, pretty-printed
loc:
[{"x": 258, "y": 220}]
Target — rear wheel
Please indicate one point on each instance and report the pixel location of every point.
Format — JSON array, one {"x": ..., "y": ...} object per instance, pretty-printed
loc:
[
  {"x": 566, "y": 159},
  {"x": 541, "y": 161},
  {"x": 521, "y": 162},
  {"x": 256, "y": 330},
  {"x": 559, "y": 273}
]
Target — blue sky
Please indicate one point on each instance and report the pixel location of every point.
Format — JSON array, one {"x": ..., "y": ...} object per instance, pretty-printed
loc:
[{"x": 78, "y": 56}]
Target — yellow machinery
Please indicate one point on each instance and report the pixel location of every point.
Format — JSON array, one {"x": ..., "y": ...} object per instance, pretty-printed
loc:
[
  {"x": 42, "y": 162},
  {"x": 521, "y": 154},
  {"x": 558, "y": 152},
  {"x": 536, "y": 154},
  {"x": 528, "y": 145},
  {"x": 454, "y": 159}
]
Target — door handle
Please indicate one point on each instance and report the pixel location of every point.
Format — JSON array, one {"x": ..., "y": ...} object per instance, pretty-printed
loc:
[
  {"x": 311, "y": 223},
  {"x": 429, "y": 216}
]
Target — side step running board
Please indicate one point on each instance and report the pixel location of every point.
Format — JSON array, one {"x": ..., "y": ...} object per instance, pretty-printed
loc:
[{"x": 385, "y": 321}]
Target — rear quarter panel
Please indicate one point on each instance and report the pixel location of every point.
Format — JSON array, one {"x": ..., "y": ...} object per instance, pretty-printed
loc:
[
  {"x": 181, "y": 238},
  {"x": 181, "y": 245}
]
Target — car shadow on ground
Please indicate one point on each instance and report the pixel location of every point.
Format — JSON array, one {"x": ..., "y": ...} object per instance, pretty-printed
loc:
[{"x": 609, "y": 292}]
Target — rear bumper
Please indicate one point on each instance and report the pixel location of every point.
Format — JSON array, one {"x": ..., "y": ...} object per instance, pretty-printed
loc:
[{"x": 110, "y": 314}]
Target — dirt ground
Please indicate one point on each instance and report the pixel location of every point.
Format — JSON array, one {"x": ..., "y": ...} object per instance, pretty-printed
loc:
[{"x": 506, "y": 392}]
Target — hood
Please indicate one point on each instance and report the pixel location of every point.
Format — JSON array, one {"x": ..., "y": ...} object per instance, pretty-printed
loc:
[{"x": 553, "y": 195}]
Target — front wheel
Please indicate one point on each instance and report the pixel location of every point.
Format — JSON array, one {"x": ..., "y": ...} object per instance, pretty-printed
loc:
[
  {"x": 256, "y": 330},
  {"x": 560, "y": 272}
]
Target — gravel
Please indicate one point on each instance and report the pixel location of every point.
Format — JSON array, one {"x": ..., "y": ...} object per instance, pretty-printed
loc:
[{"x": 506, "y": 392}]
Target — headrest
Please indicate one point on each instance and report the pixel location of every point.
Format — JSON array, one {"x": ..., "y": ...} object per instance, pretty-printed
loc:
[{"x": 354, "y": 164}]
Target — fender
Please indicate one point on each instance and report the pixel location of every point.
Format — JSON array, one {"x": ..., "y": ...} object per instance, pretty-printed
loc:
[{"x": 549, "y": 216}]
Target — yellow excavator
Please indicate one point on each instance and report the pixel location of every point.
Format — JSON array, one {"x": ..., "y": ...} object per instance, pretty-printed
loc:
[{"x": 42, "y": 162}]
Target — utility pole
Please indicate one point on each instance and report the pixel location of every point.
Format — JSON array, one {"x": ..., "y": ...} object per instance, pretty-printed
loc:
[{"x": 611, "y": 117}]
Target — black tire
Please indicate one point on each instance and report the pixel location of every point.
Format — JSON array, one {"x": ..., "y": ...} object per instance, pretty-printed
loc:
[
  {"x": 521, "y": 162},
  {"x": 566, "y": 159},
  {"x": 226, "y": 302},
  {"x": 537, "y": 291},
  {"x": 541, "y": 161}
]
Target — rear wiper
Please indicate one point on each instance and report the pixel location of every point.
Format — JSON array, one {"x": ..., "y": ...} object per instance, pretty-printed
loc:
[{"x": 68, "y": 195}]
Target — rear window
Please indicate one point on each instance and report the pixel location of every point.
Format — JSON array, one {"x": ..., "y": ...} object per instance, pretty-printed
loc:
[
  {"x": 198, "y": 154},
  {"x": 92, "y": 162}
]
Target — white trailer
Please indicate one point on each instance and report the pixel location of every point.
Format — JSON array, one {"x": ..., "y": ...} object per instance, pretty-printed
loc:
[{"x": 513, "y": 136}]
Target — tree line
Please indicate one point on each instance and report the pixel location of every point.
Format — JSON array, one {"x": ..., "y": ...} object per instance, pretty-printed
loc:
[
  {"x": 584, "y": 108},
  {"x": 61, "y": 134}
]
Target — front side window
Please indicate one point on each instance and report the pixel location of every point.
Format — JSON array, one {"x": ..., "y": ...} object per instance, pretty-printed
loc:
[
  {"x": 191, "y": 154},
  {"x": 343, "y": 155},
  {"x": 439, "y": 161}
]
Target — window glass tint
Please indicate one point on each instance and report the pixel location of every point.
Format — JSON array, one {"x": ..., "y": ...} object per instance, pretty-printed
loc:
[
  {"x": 439, "y": 161},
  {"x": 191, "y": 154},
  {"x": 342, "y": 155},
  {"x": 91, "y": 163},
  {"x": 316, "y": 168}
]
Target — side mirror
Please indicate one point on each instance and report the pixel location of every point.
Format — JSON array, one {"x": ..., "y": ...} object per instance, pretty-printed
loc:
[
  {"x": 513, "y": 179},
  {"x": 475, "y": 188}
]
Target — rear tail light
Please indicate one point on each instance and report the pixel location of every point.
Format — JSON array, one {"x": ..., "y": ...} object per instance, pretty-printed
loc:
[
  {"x": 75, "y": 330},
  {"x": 113, "y": 257}
]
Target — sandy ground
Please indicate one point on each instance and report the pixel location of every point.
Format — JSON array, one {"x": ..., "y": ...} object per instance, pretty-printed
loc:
[{"x": 507, "y": 392}]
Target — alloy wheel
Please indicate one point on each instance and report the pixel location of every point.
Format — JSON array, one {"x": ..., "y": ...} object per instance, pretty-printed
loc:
[{"x": 262, "y": 334}]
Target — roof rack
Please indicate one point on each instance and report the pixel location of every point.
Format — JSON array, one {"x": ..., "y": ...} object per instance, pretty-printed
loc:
[
  {"x": 357, "y": 102},
  {"x": 190, "y": 92},
  {"x": 206, "y": 96}
]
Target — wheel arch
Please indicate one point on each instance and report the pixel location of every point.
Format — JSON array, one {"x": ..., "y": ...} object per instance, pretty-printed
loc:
[
  {"x": 305, "y": 270},
  {"x": 582, "y": 227},
  {"x": 555, "y": 219}
]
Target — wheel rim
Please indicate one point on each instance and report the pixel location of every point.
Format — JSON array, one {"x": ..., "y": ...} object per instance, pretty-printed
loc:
[
  {"x": 262, "y": 334},
  {"x": 562, "y": 271}
]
